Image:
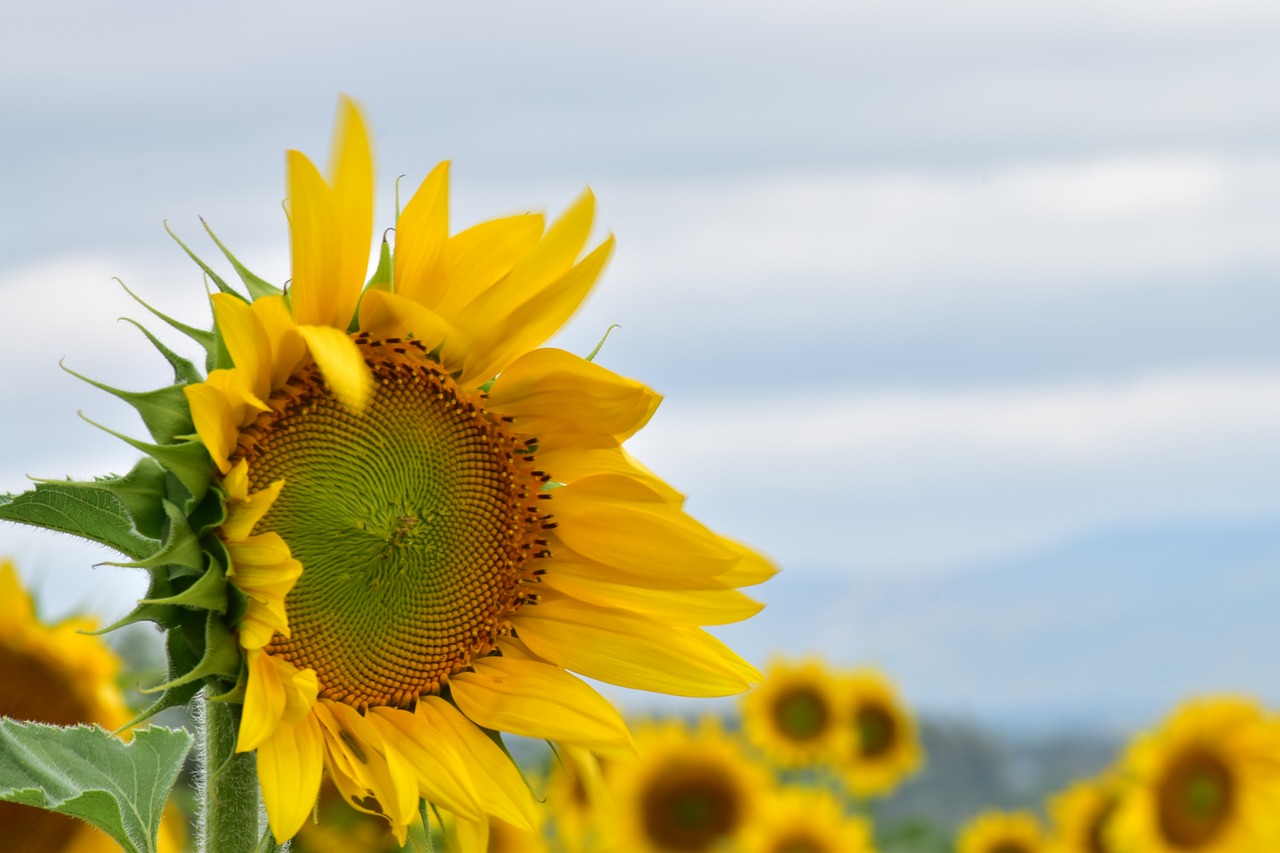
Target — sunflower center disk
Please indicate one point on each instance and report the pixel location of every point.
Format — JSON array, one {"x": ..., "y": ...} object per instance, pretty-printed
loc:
[
  {"x": 1195, "y": 799},
  {"x": 801, "y": 714},
  {"x": 877, "y": 730},
  {"x": 415, "y": 523}
]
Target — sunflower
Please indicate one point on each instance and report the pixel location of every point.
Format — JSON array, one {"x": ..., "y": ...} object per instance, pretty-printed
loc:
[
  {"x": 576, "y": 797},
  {"x": 403, "y": 521},
  {"x": 1081, "y": 815},
  {"x": 794, "y": 716},
  {"x": 689, "y": 790},
  {"x": 63, "y": 675},
  {"x": 1001, "y": 832},
  {"x": 885, "y": 747},
  {"x": 1207, "y": 781},
  {"x": 807, "y": 820}
]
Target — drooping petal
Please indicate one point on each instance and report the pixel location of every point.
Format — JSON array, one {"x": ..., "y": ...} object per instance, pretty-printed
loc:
[
  {"x": 290, "y": 763},
  {"x": 219, "y": 407},
  {"x": 288, "y": 350},
  {"x": 244, "y": 514},
  {"x": 363, "y": 766},
  {"x": 630, "y": 650},
  {"x": 539, "y": 700},
  {"x": 263, "y": 702},
  {"x": 341, "y": 363},
  {"x": 246, "y": 341},
  {"x": 548, "y": 390},
  {"x": 443, "y": 777},
  {"x": 503, "y": 793},
  {"x": 421, "y": 234}
]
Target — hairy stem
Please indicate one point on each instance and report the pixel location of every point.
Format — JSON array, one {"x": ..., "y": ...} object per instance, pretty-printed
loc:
[{"x": 228, "y": 782}]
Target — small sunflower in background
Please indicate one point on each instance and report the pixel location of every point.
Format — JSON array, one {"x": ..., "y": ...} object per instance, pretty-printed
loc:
[
  {"x": 577, "y": 796},
  {"x": 1002, "y": 832},
  {"x": 689, "y": 790},
  {"x": 1207, "y": 781},
  {"x": 807, "y": 820},
  {"x": 795, "y": 717},
  {"x": 884, "y": 747},
  {"x": 62, "y": 675},
  {"x": 1082, "y": 814}
]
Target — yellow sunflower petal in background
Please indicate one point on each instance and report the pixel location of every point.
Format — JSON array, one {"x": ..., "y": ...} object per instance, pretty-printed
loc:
[
  {"x": 578, "y": 800},
  {"x": 1002, "y": 832},
  {"x": 1207, "y": 780},
  {"x": 884, "y": 747},
  {"x": 690, "y": 789},
  {"x": 1081, "y": 816},
  {"x": 796, "y": 718},
  {"x": 62, "y": 675},
  {"x": 806, "y": 819}
]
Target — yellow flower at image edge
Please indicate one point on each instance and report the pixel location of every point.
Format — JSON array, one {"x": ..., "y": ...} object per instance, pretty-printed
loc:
[
  {"x": 1001, "y": 832},
  {"x": 885, "y": 745},
  {"x": 796, "y": 717},
  {"x": 61, "y": 675},
  {"x": 1207, "y": 781},
  {"x": 430, "y": 518}
]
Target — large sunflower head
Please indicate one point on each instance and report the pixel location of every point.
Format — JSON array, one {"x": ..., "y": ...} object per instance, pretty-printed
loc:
[
  {"x": 1082, "y": 814},
  {"x": 63, "y": 675},
  {"x": 405, "y": 519},
  {"x": 795, "y": 716},
  {"x": 807, "y": 820},
  {"x": 1207, "y": 781},
  {"x": 884, "y": 744},
  {"x": 690, "y": 790},
  {"x": 1001, "y": 832}
]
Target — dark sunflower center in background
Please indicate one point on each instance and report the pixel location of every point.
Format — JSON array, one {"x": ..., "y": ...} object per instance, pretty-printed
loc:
[
  {"x": 415, "y": 523},
  {"x": 37, "y": 692},
  {"x": 1010, "y": 846},
  {"x": 801, "y": 714},
  {"x": 877, "y": 730},
  {"x": 799, "y": 841},
  {"x": 1195, "y": 799},
  {"x": 1096, "y": 837},
  {"x": 690, "y": 809}
]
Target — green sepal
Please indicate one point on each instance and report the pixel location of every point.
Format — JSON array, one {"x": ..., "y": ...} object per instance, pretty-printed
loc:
[
  {"x": 208, "y": 270},
  {"x": 184, "y": 371},
  {"x": 200, "y": 336},
  {"x": 139, "y": 492},
  {"x": 87, "y": 510},
  {"x": 381, "y": 280},
  {"x": 164, "y": 411},
  {"x": 209, "y": 592},
  {"x": 186, "y": 460},
  {"x": 180, "y": 695},
  {"x": 86, "y": 773},
  {"x": 220, "y": 657},
  {"x": 181, "y": 545},
  {"x": 603, "y": 338},
  {"x": 168, "y": 618},
  {"x": 209, "y": 513},
  {"x": 236, "y": 693},
  {"x": 257, "y": 287}
]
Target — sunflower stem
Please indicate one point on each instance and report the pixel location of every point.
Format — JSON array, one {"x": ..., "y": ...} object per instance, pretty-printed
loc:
[{"x": 228, "y": 787}]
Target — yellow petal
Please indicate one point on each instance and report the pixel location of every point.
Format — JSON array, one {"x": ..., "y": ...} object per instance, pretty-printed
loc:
[
  {"x": 550, "y": 389},
  {"x": 289, "y": 768},
  {"x": 600, "y": 519},
  {"x": 479, "y": 257},
  {"x": 541, "y": 701},
  {"x": 263, "y": 702},
  {"x": 443, "y": 777},
  {"x": 341, "y": 363},
  {"x": 387, "y": 315},
  {"x": 362, "y": 755},
  {"x": 246, "y": 341},
  {"x": 600, "y": 455},
  {"x": 716, "y": 606},
  {"x": 244, "y": 514},
  {"x": 471, "y": 835},
  {"x": 421, "y": 233},
  {"x": 315, "y": 241},
  {"x": 351, "y": 175},
  {"x": 752, "y": 567},
  {"x": 288, "y": 350},
  {"x": 503, "y": 793},
  {"x": 630, "y": 650},
  {"x": 503, "y": 335},
  {"x": 15, "y": 605},
  {"x": 215, "y": 420}
]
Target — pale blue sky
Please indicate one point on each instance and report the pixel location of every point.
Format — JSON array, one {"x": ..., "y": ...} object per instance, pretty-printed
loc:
[{"x": 958, "y": 309}]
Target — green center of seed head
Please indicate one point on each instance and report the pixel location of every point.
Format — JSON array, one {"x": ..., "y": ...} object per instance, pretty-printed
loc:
[{"x": 412, "y": 521}]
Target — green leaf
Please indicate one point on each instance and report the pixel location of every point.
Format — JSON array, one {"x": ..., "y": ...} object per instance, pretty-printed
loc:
[
  {"x": 87, "y": 773},
  {"x": 87, "y": 510}
]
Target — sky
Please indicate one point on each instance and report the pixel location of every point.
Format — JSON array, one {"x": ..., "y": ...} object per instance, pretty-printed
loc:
[{"x": 963, "y": 313}]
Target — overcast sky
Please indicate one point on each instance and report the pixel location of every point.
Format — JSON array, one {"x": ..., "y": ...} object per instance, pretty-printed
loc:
[{"x": 959, "y": 309}]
